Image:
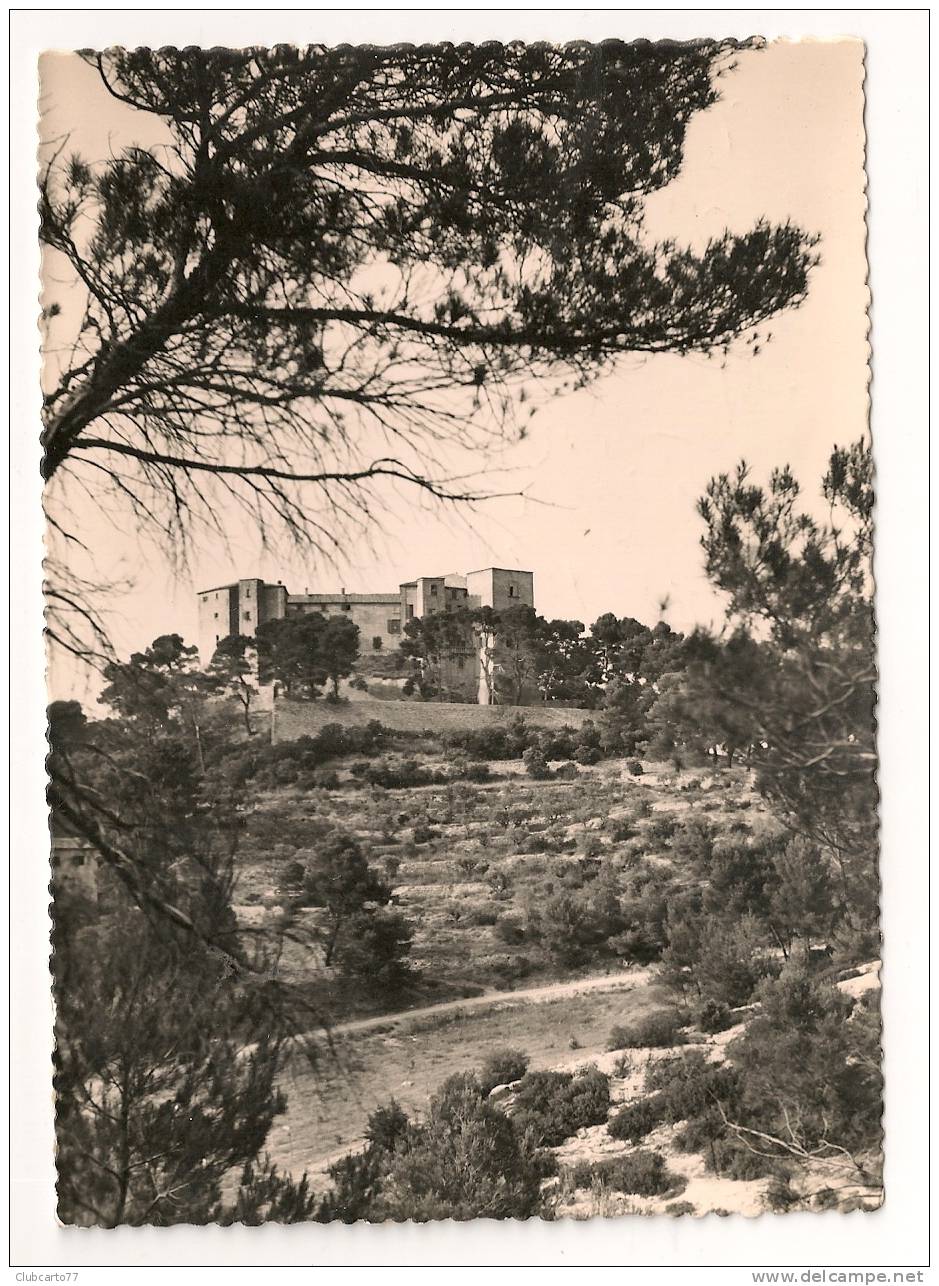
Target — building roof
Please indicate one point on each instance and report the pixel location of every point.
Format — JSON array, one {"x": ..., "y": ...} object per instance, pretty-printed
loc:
[
  {"x": 394, "y": 597},
  {"x": 513, "y": 571}
]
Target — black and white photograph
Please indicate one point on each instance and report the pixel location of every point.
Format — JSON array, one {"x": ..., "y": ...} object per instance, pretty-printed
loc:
[{"x": 460, "y": 636}]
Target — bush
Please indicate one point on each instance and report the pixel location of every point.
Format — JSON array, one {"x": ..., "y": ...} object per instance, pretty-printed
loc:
[
  {"x": 701, "y": 1132},
  {"x": 476, "y": 772},
  {"x": 623, "y": 1066},
  {"x": 641, "y": 1174},
  {"x": 634, "y": 767},
  {"x": 492, "y": 743},
  {"x": 566, "y": 772},
  {"x": 509, "y": 969},
  {"x": 588, "y": 755},
  {"x": 662, "y": 829},
  {"x": 692, "y": 1086},
  {"x": 660, "y": 1030},
  {"x": 291, "y": 876},
  {"x": 555, "y": 1105},
  {"x": 466, "y": 1160},
  {"x": 633, "y": 1122},
  {"x": 501, "y": 1068},
  {"x": 713, "y": 1016},
  {"x": 591, "y": 846},
  {"x": 481, "y": 916},
  {"x": 375, "y": 949},
  {"x": 732, "y": 1160},
  {"x": 508, "y": 930},
  {"x": 557, "y": 745},
  {"x": 399, "y": 775},
  {"x": 536, "y": 765},
  {"x": 680, "y": 1208}
]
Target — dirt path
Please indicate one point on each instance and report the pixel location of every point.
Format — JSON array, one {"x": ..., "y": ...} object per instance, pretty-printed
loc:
[
  {"x": 625, "y": 980},
  {"x": 407, "y": 1055}
]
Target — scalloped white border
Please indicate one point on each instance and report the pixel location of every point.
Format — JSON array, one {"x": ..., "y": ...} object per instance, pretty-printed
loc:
[{"x": 896, "y": 113}]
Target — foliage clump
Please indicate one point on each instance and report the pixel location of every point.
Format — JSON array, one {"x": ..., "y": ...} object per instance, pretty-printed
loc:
[{"x": 555, "y": 1105}]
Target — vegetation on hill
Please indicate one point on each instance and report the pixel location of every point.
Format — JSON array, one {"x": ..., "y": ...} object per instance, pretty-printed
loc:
[{"x": 361, "y": 870}]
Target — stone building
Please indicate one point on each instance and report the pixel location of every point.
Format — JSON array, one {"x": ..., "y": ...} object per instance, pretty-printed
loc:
[{"x": 239, "y": 608}]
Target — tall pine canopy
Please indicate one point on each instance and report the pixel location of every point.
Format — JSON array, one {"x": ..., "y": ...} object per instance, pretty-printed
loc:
[{"x": 344, "y": 261}]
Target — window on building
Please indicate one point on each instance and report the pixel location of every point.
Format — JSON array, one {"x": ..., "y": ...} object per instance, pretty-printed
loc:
[
  {"x": 410, "y": 611},
  {"x": 247, "y": 616},
  {"x": 511, "y": 591},
  {"x": 247, "y": 591},
  {"x": 216, "y": 615},
  {"x": 347, "y": 607},
  {"x": 460, "y": 663},
  {"x": 433, "y": 590},
  {"x": 394, "y": 625},
  {"x": 376, "y": 643}
]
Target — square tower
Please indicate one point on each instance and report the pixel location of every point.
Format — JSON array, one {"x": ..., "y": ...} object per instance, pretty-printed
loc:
[{"x": 500, "y": 588}]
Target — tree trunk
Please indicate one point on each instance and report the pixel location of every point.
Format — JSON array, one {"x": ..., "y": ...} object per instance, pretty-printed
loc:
[
  {"x": 199, "y": 752},
  {"x": 331, "y": 943}
]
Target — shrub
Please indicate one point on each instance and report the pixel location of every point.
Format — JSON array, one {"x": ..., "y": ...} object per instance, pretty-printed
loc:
[
  {"x": 692, "y": 1086},
  {"x": 637, "y": 943},
  {"x": 623, "y": 1066},
  {"x": 501, "y": 1068},
  {"x": 713, "y": 1016},
  {"x": 508, "y": 930},
  {"x": 732, "y": 1160},
  {"x": 680, "y": 1208},
  {"x": 633, "y": 1122},
  {"x": 693, "y": 845},
  {"x": 641, "y": 1174},
  {"x": 591, "y": 846},
  {"x": 375, "y": 949},
  {"x": 291, "y": 876},
  {"x": 659, "y": 1030},
  {"x": 588, "y": 755},
  {"x": 482, "y": 916},
  {"x": 492, "y": 743},
  {"x": 466, "y": 1160},
  {"x": 566, "y": 772},
  {"x": 536, "y": 765},
  {"x": 400, "y": 774},
  {"x": 512, "y": 968},
  {"x": 634, "y": 767},
  {"x": 476, "y": 772},
  {"x": 779, "y": 1194},
  {"x": 663, "y": 828},
  {"x": 701, "y": 1132},
  {"x": 557, "y": 745},
  {"x": 555, "y": 1105}
]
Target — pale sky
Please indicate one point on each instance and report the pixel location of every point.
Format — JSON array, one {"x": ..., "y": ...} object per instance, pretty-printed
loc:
[{"x": 612, "y": 472}]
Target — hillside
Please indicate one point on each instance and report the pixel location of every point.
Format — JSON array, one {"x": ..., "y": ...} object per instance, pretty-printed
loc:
[
  {"x": 293, "y": 719},
  {"x": 541, "y": 897}
]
